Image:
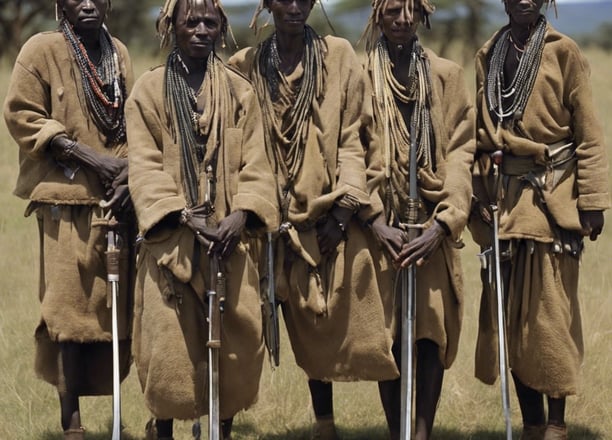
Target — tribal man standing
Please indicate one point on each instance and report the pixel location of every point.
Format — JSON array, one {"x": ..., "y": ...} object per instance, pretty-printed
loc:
[
  {"x": 316, "y": 109},
  {"x": 535, "y": 106},
  {"x": 200, "y": 180},
  {"x": 420, "y": 102},
  {"x": 64, "y": 107}
]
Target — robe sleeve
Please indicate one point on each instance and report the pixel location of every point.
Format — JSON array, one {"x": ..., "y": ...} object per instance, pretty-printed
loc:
[
  {"x": 592, "y": 163},
  {"x": 256, "y": 190},
  {"x": 357, "y": 114},
  {"x": 27, "y": 108},
  {"x": 453, "y": 210},
  {"x": 154, "y": 191}
]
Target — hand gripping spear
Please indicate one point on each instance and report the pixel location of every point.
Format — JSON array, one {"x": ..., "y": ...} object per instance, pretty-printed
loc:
[
  {"x": 490, "y": 261},
  {"x": 408, "y": 293},
  {"x": 112, "y": 270}
]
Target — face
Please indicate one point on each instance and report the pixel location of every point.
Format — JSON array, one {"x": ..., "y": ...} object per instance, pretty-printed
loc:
[
  {"x": 399, "y": 24},
  {"x": 197, "y": 27},
  {"x": 523, "y": 12},
  {"x": 290, "y": 15},
  {"x": 84, "y": 15}
]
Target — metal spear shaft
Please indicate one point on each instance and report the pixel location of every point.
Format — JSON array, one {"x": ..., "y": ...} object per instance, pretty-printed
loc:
[
  {"x": 112, "y": 267},
  {"x": 499, "y": 295},
  {"x": 408, "y": 284}
]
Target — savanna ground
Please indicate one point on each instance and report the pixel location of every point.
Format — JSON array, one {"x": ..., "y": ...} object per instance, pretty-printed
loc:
[{"x": 468, "y": 409}]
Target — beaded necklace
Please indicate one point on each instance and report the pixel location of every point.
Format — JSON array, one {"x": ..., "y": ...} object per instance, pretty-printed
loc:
[
  {"x": 103, "y": 85},
  {"x": 517, "y": 93},
  {"x": 195, "y": 131},
  {"x": 288, "y": 138}
]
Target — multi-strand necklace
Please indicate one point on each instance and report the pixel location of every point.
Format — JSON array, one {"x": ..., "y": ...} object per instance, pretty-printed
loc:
[
  {"x": 103, "y": 85},
  {"x": 509, "y": 100},
  {"x": 287, "y": 137},
  {"x": 192, "y": 130},
  {"x": 399, "y": 135},
  {"x": 417, "y": 91}
]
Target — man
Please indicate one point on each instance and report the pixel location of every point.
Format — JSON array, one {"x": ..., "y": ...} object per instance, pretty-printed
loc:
[
  {"x": 64, "y": 107},
  {"x": 199, "y": 179},
  {"x": 420, "y": 101},
  {"x": 313, "y": 94},
  {"x": 535, "y": 106}
]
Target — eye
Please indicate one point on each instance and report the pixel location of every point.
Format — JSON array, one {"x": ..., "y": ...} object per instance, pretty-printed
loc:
[
  {"x": 211, "y": 23},
  {"x": 192, "y": 22}
]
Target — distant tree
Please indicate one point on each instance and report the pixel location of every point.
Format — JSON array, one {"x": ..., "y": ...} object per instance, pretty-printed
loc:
[
  {"x": 133, "y": 22},
  {"x": 601, "y": 37},
  {"x": 130, "y": 20},
  {"x": 19, "y": 20}
]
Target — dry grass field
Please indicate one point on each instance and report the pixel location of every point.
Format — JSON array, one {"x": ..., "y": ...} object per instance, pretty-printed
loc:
[{"x": 468, "y": 409}]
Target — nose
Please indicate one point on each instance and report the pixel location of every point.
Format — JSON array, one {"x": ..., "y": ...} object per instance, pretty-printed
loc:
[
  {"x": 201, "y": 29},
  {"x": 405, "y": 17},
  {"x": 293, "y": 7},
  {"x": 88, "y": 5}
]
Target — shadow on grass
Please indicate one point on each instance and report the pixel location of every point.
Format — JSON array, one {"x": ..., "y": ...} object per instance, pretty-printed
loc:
[
  {"x": 106, "y": 434},
  {"x": 576, "y": 432}
]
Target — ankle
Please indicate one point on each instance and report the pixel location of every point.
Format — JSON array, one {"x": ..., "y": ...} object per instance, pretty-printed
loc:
[
  {"x": 74, "y": 434},
  {"x": 324, "y": 428},
  {"x": 555, "y": 432}
]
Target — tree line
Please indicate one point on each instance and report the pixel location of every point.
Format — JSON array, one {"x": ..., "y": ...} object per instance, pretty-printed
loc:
[{"x": 459, "y": 26}]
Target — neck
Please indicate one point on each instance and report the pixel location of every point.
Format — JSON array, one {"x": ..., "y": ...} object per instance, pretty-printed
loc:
[
  {"x": 89, "y": 38},
  {"x": 521, "y": 31},
  {"x": 290, "y": 49},
  {"x": 400, "y": 51}
]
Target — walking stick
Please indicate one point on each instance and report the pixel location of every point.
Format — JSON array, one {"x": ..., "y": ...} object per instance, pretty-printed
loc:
[
  {"x": 216, "y": 298},
  {"x": 408, "y": 285},
  {"x": 112, "y": 270}
]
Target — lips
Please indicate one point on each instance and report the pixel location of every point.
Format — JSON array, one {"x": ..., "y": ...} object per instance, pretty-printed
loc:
[{"x": 199, "y": 43}]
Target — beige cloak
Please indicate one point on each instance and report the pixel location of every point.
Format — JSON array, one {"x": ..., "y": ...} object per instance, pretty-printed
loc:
[
  {"x": 446, "y": 191},
  {"x": 333, "y": 311},
  {"x": 44, "y": 99},
  {"x": 543, "y": 315},
  {"x": 170, "y": 329}
]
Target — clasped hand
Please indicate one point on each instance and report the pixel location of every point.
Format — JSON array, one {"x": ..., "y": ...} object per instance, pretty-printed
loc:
[
  {"x": 331, "y": 232},
  {"x": 404, "y": 252},
  {"x": 221, "y": 240},
  {"x": 112, "y": 171}
]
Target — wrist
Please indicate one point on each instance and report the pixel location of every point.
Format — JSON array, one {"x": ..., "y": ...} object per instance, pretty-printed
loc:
[
  {"x": 63, "y": 147},
  {"x": 446, "y": 230}
]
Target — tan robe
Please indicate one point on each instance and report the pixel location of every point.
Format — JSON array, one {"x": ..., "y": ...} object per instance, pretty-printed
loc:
[
  {"x": 333, "y": 311},
  {"x": 44, "y": 99},
  {"x": 447, "y": 191},
  {"x": 543, "y": 314},
  {"x": 170, "y": 329}
]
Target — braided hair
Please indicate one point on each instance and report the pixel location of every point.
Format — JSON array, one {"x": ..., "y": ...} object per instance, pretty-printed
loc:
[
  {"x": 165, "y": 21},
  {"x": 372, "y": 30}
]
